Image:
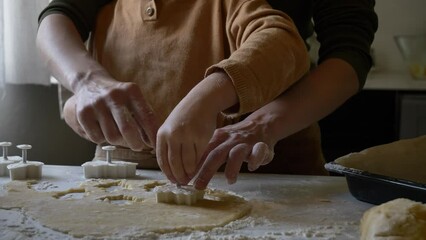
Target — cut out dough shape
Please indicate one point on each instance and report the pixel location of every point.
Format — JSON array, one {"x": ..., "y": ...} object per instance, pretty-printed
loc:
[
  {"x": 170, "y": 193},
  {"x": 92, "y": 216},
  {"x": 103, "y": 169},
  {"x": 401, "y": 219},
  {"x": 27, "y": 170}
]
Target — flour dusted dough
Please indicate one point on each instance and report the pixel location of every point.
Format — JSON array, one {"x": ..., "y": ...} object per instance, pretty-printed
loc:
[
  {"x": 400, "y": 219},
  {"x": 403, "y": 159},
  {"x": 115, "y": 208}
]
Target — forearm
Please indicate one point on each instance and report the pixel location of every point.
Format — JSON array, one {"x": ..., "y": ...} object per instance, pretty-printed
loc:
[
  {"x": 64, "y": 52},
  {"x": 314, "y": 97},
  {"x": 215, "y": 93},
  {"x": 267, "y": 55}
]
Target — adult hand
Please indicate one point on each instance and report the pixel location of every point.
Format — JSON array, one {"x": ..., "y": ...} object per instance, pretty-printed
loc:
[
  {"x": 102, "y": 109},
  {"x": 114, "y": 112},
  {"x": 234, "y": 144}
]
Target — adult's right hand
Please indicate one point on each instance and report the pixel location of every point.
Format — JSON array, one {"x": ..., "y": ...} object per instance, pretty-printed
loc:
[
  {"x": 102, "y": 109},
  {"x": 114, "y": 112}
]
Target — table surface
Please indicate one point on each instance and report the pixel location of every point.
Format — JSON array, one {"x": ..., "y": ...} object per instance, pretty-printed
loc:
[{"x": 284, "y": 207}]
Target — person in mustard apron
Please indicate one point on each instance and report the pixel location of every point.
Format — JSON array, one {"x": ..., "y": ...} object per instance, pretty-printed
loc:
[
  {"x": 345, "y": 30},
  {"x": 183, "y": 68},
  {"x": 284, "y": 136}
]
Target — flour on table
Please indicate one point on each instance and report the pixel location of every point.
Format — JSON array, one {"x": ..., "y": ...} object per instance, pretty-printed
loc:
[{"x": 129, "y": 208}]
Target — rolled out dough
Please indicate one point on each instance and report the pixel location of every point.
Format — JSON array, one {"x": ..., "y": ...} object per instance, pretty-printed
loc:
[
  {"x": 121, "y": 208},
  {"x": 400, "y": 219},
  {"x": 403, "y": 159}
]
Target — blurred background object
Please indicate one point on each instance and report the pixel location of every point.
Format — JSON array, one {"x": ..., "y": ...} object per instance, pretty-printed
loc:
[
  {"x": 22, "y": 64},
  {"x": 413, "y": 50},
  {"x": 29, "y": 111}
]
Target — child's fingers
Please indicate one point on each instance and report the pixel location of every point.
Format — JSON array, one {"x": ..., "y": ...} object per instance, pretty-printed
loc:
[
  {"x": 162, "y": 159},
  {"x": 176, "y": 162},
  {"x": 189, "y": 159}
]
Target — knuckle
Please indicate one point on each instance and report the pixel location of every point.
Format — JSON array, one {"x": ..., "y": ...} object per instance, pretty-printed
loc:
[
  {"x": 85, "y": 114},
  {"x": 124, "y": 90},
  {"x": 131, "y": 87},
  {"x": 220, "y": 133},
  {"x": 113, "y": 139},
  {"x": 114, "y": 95},
  {"x": 127, "y": 129},
  {"x": 96, "y": 138}
]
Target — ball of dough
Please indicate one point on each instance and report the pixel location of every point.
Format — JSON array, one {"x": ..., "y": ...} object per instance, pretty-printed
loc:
[{"x": 398, "y": 219}]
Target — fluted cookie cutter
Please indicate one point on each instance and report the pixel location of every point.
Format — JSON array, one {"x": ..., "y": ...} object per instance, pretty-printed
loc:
[
  {"x": 109, "y": 168},
  {"x": 182, "y": 195},
  {"x": 25, "y": 169},
  {"x": 6, "y": 160}
]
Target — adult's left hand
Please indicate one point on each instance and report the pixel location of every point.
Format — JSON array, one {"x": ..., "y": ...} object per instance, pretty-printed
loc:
[{"x": 234, "y": 144}]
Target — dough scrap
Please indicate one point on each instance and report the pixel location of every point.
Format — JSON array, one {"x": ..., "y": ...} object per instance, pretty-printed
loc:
[
  {"x": 399, "y": 219},
  {"x": 403, "y": 159},
  {"x": 116, "y": 207}
]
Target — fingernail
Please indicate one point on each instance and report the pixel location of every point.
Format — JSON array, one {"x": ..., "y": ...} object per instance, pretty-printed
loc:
[
  {"x": 232, "y": 181},
  {"x": 200, "y": 183},
  {"x": 252, "y": 168},
  {"x": 139, "y": 149}
]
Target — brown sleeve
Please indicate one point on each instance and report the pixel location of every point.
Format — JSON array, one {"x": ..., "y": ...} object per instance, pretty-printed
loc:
[{"x": 267, "y": 54}]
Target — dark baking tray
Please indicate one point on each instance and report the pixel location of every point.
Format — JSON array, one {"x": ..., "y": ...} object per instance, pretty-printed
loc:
[{"x": 378, "y": 189}]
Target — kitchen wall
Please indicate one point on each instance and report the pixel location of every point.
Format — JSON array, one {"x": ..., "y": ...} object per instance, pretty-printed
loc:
[
  {"x": 396, "y": 17},
  {"x": 29, "y": 114}
]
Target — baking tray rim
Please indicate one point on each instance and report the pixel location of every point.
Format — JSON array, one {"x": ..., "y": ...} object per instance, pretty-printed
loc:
[{"x": 353, "y": 172}]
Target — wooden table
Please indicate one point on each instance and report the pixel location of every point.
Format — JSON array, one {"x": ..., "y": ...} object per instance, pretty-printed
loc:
[{"x": 284, "y": 207}]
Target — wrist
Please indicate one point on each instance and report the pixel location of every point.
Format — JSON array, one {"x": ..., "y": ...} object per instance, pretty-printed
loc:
[
  {"x": 265, "y": 125},
  {"x": 90, "y": 78},
  {"x": 221, "y": 90}
]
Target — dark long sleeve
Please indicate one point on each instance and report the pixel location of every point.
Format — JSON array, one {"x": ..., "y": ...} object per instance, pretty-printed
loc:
[
  {"x": 345, "y": 28},
  {"x": 82, "y": 12}
]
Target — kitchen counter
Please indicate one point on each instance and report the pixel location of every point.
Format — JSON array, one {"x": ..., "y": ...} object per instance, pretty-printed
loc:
[
  {"x": 394, "y": 81},
  {"x": 283, "y": 207}
]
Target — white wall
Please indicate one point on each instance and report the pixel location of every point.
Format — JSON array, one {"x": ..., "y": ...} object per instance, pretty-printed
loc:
[{"x": 396, "y": 17}]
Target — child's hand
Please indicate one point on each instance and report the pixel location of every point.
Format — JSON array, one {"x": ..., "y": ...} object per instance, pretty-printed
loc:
[
  {"x": 182, "y": 139},
  {"x": 184, "y": 136}
]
